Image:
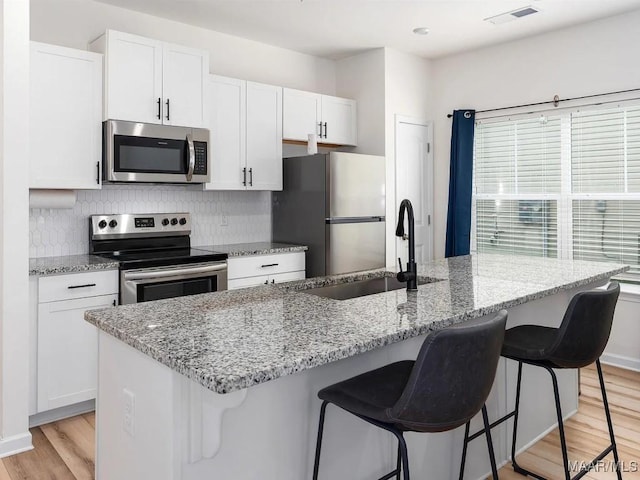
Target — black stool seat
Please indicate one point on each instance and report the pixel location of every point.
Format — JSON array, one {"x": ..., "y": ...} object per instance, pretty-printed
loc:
[
  {"x": 444, "y": 388},
  {"x": 373, "y": 393},
  {"x": 529, "y": 342}
]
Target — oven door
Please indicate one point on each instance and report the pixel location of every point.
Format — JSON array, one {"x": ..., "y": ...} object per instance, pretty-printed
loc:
[{"x": 147, "y": 284}]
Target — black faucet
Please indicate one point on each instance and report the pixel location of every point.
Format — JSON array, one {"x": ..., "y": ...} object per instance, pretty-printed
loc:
[{"x": 410, "y": 275}]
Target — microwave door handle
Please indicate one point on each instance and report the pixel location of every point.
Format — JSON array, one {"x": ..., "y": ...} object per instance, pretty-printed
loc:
[{"x": 192, "y": 157}]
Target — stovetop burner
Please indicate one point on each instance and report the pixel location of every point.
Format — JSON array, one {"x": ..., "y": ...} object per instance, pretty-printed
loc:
[{"x": 147, "y": 240}]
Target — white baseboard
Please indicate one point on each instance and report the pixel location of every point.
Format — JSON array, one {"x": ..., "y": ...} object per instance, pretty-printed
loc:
[
  {"x": 15, "y": 444},
  {"x": 621, "y": 361},
  {"x": 62, "y": 412}
]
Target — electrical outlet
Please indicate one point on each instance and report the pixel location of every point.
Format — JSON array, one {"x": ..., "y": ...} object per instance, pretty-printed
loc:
[
  {"x": 224, "y": 220},
  {"x": 129, "y": 411}
]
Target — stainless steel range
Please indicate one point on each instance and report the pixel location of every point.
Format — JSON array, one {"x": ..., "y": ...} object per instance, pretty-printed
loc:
[{"x": 155, "y": 256}]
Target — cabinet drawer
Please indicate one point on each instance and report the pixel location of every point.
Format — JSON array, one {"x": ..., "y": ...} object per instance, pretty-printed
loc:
[
  {"x": 286, "y": 277},
  {"x": 247, "y": 282},
  {"x": 77, "y": 285},
  {"x": 241, "y": 267}
]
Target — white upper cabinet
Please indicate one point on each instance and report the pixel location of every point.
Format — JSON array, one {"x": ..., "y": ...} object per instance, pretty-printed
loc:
[
  {"x": 245, "y": 121},
  {"x": 339, "y": 121},
  {"x": 302, "y": 114},
  {"x": 264, "y": 137},
  {"x": 185, "y": 71},
  {"x": 333, "y": 119},
  {"x": 225, "y": 115},
  {"x": 65, "y": 113},
  {"x": 150, "y": 81}
]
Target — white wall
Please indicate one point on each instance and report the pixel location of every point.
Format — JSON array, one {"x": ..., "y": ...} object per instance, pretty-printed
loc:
[
  {"x": 74, "y": 23},
  {"x": 408, "y": 92},
  {"x": 594, "y": 58},
  {"x": 14, "y": 286},
  {"x": 362, "y": 77}
]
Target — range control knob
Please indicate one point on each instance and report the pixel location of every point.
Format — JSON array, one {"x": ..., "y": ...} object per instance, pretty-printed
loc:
[
  {"x": 102, "y": 224},
  {"x": 165, "y": 222},
  {"x": 183, "y": 221},
  {"x": 113, "y": 224},
  {"x": 174, "y": 221}
]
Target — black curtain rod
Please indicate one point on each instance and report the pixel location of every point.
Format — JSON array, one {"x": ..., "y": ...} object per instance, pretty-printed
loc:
[{"x": 556, "y": 101}]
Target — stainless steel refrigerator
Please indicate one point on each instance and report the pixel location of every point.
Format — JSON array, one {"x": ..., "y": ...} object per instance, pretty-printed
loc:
[{"x": 335, "y": 204}]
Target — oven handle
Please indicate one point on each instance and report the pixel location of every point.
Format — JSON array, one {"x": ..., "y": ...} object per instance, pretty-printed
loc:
[
  {"x": 129, "y": 276},
  {"x": 192, "y": 157}
]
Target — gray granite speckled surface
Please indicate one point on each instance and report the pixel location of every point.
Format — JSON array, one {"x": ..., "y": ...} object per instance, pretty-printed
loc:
[
  {"x": 69, "y": 264},
  {"x": 232, "y": 340},
  {"x": 256, "y": 248}
]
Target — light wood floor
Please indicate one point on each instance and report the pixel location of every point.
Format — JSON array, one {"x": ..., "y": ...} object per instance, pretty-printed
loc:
[{"x": 64, "y": 450}]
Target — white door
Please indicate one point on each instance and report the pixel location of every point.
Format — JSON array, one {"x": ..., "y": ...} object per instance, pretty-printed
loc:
[
  {"x": 225, "y": 117},
  {"x": 68, "y": 351},
  {"x": 300, "y": 114},
  {"x": 65, "y": 114},
  {"x": 264, "y": 137},
  {"x": 414, "y": 181},
  {"x": 134, "y": 78},
  {"x": 339, "y": 121},
  {"x": 185, "y": 71}
]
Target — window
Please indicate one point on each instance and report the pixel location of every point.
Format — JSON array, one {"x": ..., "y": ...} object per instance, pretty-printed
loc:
[{"x": 563, "y": 185}]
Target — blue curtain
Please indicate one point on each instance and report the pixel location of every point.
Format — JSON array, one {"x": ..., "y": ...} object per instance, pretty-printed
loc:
[{"x": 460, "y": 184}]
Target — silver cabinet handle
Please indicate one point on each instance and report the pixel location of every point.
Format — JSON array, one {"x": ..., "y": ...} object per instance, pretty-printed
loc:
[
  {"x": 192, "y": 156},
  {"x": 320, "y": 125},
  {"x": 325, "y": 129},
  {"x": 172, "y": 272}
]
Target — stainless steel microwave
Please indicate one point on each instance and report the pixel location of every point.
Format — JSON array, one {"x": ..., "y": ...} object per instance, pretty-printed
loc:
[{"x": 149, "y": 153}]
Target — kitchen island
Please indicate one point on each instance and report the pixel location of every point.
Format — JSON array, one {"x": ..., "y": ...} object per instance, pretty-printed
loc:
[{"x": 224, "y": 385}]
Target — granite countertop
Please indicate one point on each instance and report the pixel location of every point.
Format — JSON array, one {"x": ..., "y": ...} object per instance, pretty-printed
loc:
[
  {"x": 88, "y": 263},
  {"x": 256, "y": 248},
  {"x": 69, "y": 264},
  {"x": 231, "y": 340}
]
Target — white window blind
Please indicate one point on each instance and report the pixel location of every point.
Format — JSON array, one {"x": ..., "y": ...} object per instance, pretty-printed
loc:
[{"x": 563, "y": 185}]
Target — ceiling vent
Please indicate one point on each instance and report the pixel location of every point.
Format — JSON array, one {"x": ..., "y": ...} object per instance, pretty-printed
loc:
[{"x": 513, "y": 15}]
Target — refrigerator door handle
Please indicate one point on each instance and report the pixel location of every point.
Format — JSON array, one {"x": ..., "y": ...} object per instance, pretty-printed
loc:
[{"x": 337, "y": 220}]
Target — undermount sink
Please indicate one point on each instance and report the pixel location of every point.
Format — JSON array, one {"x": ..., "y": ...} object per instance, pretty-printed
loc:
[{"x": 361, "y": 288}]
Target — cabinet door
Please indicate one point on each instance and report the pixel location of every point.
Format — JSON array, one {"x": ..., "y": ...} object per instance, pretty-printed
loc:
[
  {"x": 185, "y": 71},
  {"x": 67, "y": 351},
  {"x": 225, "y": 117},
  {"x": 134, "y": 78},
  {"x": 264, "y": 137},
  {"x": 300, "y": 114},
  {"x": 65, "y": 113},
  {"x": 339, "y": 120}
]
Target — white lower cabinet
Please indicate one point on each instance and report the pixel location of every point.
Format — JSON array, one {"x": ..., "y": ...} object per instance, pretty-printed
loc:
[
  {"x": 257, "y": 270},
  {"x": 66, "y": 345}
]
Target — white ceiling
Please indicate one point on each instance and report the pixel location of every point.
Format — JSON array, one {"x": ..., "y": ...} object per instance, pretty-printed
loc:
[{"x": 339, "y": 28}]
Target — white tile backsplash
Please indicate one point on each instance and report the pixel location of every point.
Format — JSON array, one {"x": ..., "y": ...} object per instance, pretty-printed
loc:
[{"x": 55, "y": 232}]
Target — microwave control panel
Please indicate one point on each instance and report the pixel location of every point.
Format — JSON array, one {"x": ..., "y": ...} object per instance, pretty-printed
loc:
[{"x": 201, "y": 158}]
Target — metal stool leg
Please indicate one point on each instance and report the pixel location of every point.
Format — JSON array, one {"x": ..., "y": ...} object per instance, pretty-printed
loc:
[
  {"x": 399, "y": 463},
  {"x": 614, "y": 448},
  {"x": 464, "y": 449},
  {"x": 563, "y": 440},
  {"x": 316, "y": 463},
  {"x": 487, "y": 431},
  {"x": 405, "y": 456},
  {"x": 514, "y": 463}
]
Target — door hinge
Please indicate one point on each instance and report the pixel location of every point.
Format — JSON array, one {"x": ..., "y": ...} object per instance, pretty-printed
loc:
[
  {"x": 428, "y": 219},
  {"x": 428, "y": 148}
]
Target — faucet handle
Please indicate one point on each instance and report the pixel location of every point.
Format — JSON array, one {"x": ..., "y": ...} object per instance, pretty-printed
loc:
[{"x": 400, "y": 264}]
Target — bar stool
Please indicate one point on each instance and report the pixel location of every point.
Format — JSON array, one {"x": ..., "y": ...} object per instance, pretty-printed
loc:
[
  {"x": 578, "y": 342},
  {"x": 444, "y": 388}
]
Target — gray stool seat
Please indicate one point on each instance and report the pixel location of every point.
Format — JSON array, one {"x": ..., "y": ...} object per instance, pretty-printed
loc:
[
  {"x": 444, "y": 388},
  {"x": 529, "y": 342}
]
